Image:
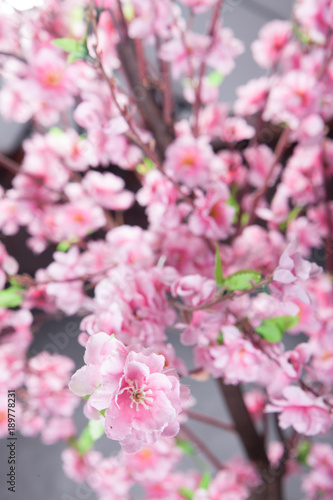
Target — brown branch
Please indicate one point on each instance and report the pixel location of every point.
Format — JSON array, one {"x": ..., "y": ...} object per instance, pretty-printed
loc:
[
  {"x": 220, "y": 298},
  {"x": 280, "y": 147},
  {"x": 201, "y": 447},
  {"x": 329, "y": 238},
  {"x": 202, "y": 69},
  {"x": 149, "y": 110},
  {"x": 207, "y": 419},
  {"x": 10, "y": 165},
  {"x": 271, "y": 487}
]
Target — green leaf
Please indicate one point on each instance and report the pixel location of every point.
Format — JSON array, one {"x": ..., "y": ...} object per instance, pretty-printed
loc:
[
  {"x": 242, "y": 280},
  {"x": 77, "y": 14},
  {"x": 56, "y": 131},
  {"x": 303, "y": 37},
  {"x": 218, "y": 267},
  {"x": 215, "y": 79},
  {"x": 96, "y": 429},
  {"x": 303, "y": 450},
  {"x": 205, "y": 481},
  {"x": 272, "y": 329},
  {"x": 128, "y": 11},
  {"x": 15, "y": 283},
  {"x": 185, "y": 446},
  {"x": 63, "y": 246},
  {"x": 234, "y": 203},
  {"x": 102, "y": 412},
  {"x": 75, "y": 56},
  {"x": 245, "y": 218},
  {"x": 68, "y": 44},
  {"x": 220, "y": 339},
  {"x": 88, "y": 436},
  {"x": 11, "y": 297},
  {"x": 293, "y": 214},
  {"x": 85, "y": 442},
  {"x": 146, "y": 165},
  {"x": 188, "y": 494},
  {"x": 77, "y": 48}
]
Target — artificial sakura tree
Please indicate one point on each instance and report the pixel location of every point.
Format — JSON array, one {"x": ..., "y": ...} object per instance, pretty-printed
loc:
[{"x": 237, "y": 255}]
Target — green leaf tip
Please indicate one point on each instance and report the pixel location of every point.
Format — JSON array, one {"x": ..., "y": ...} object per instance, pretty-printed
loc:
[
  {"x": 11, "y": 297},
  {"x": 272, "y": 329},
  {"x": 242, "y": 280},
  {"x": 218, "y": 267}
]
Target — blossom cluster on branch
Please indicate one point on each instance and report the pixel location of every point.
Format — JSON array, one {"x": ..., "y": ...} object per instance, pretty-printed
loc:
[{"x": 236, "y": 255}]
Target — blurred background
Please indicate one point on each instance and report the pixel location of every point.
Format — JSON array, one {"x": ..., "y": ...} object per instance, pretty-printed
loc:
[{"x": 39, "y": 471}]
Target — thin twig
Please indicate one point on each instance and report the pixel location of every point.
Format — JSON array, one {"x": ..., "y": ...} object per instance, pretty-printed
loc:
[
  {"x": 202, "y": 447},
  {"x": 220, "y": 298},
  {"x": 207, "y": 419},
  {"x": 280, "y": 147},
  {"x": 202, "y": 69}
]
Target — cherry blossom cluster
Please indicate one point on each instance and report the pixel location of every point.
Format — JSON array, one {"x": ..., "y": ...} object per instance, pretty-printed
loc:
[{"x": 234, "y": 257}]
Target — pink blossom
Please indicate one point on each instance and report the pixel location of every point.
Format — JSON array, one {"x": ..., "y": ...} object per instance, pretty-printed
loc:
[
  {"x": 261, "y": 159},
  {"x": 237, "y": 360},
  {"x": 273, "y": 38},
  {"x": 46, "y": 381},
  {"x": 292, "y": 98},
  {"x": 108, "y": 190},
  {"x": 77, "y": 219},
  {"x": 244, "y": 255},
  {"x": 43, "y": 164},
  {"x": 77, "y": 466},
  {"x": 188, "y": 160},
  {"x": 224, "y": 49},
  {"x": 212, "y": 215},
  {"x": 319, "y": 482},
  {"x": 236, "y": 129},
  {"x": 316, "y": 16},
  {"x": 58, "y": 428},
  {"x": 194, "y": 289},
  {"x": 255, "y": 402},
  {"x": 211, "y": 119},
  {"x": 108, "y": 477},
  {"x": 153, "y": 463},
  {"x": 75, "y": 151},
  {"x": 293, "y": 267},
  {"x": 152, "y": 18},
  {"x": 140, "y": 395},
  {"x": 138, "y": 305},
  {"x": 252, "y": 96},
  {"x": 107, "y": 40},
  {"x": 183, "y": 57},
  {"x": 12, "y": 359},
  {"x": 131, "y": 244},
  {"x": 308, "y": 414},
  {"x": 226, "y": 485},
  {"x": 303, "y": 175},
  {"x": 186, "y": 252},
  {"x": 310, "y": 130},
  {"x": 306, "y": 233},
  {"x": 208, "y": 93},
  {"x": 31, "y": 422},
  {"x": 322, "y": 357},
  {"x": 233, "y": 170},
  {"x": 199, "y": 5},
  {"x": 8, "y": 265},
  {"x": 279, "y": 210}
]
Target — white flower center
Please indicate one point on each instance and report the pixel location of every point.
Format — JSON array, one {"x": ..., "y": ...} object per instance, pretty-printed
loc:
[{"x": 139, "y": 395}]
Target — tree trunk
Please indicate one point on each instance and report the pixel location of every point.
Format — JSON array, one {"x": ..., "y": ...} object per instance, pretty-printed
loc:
[{"x": 271, "y": 487}]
